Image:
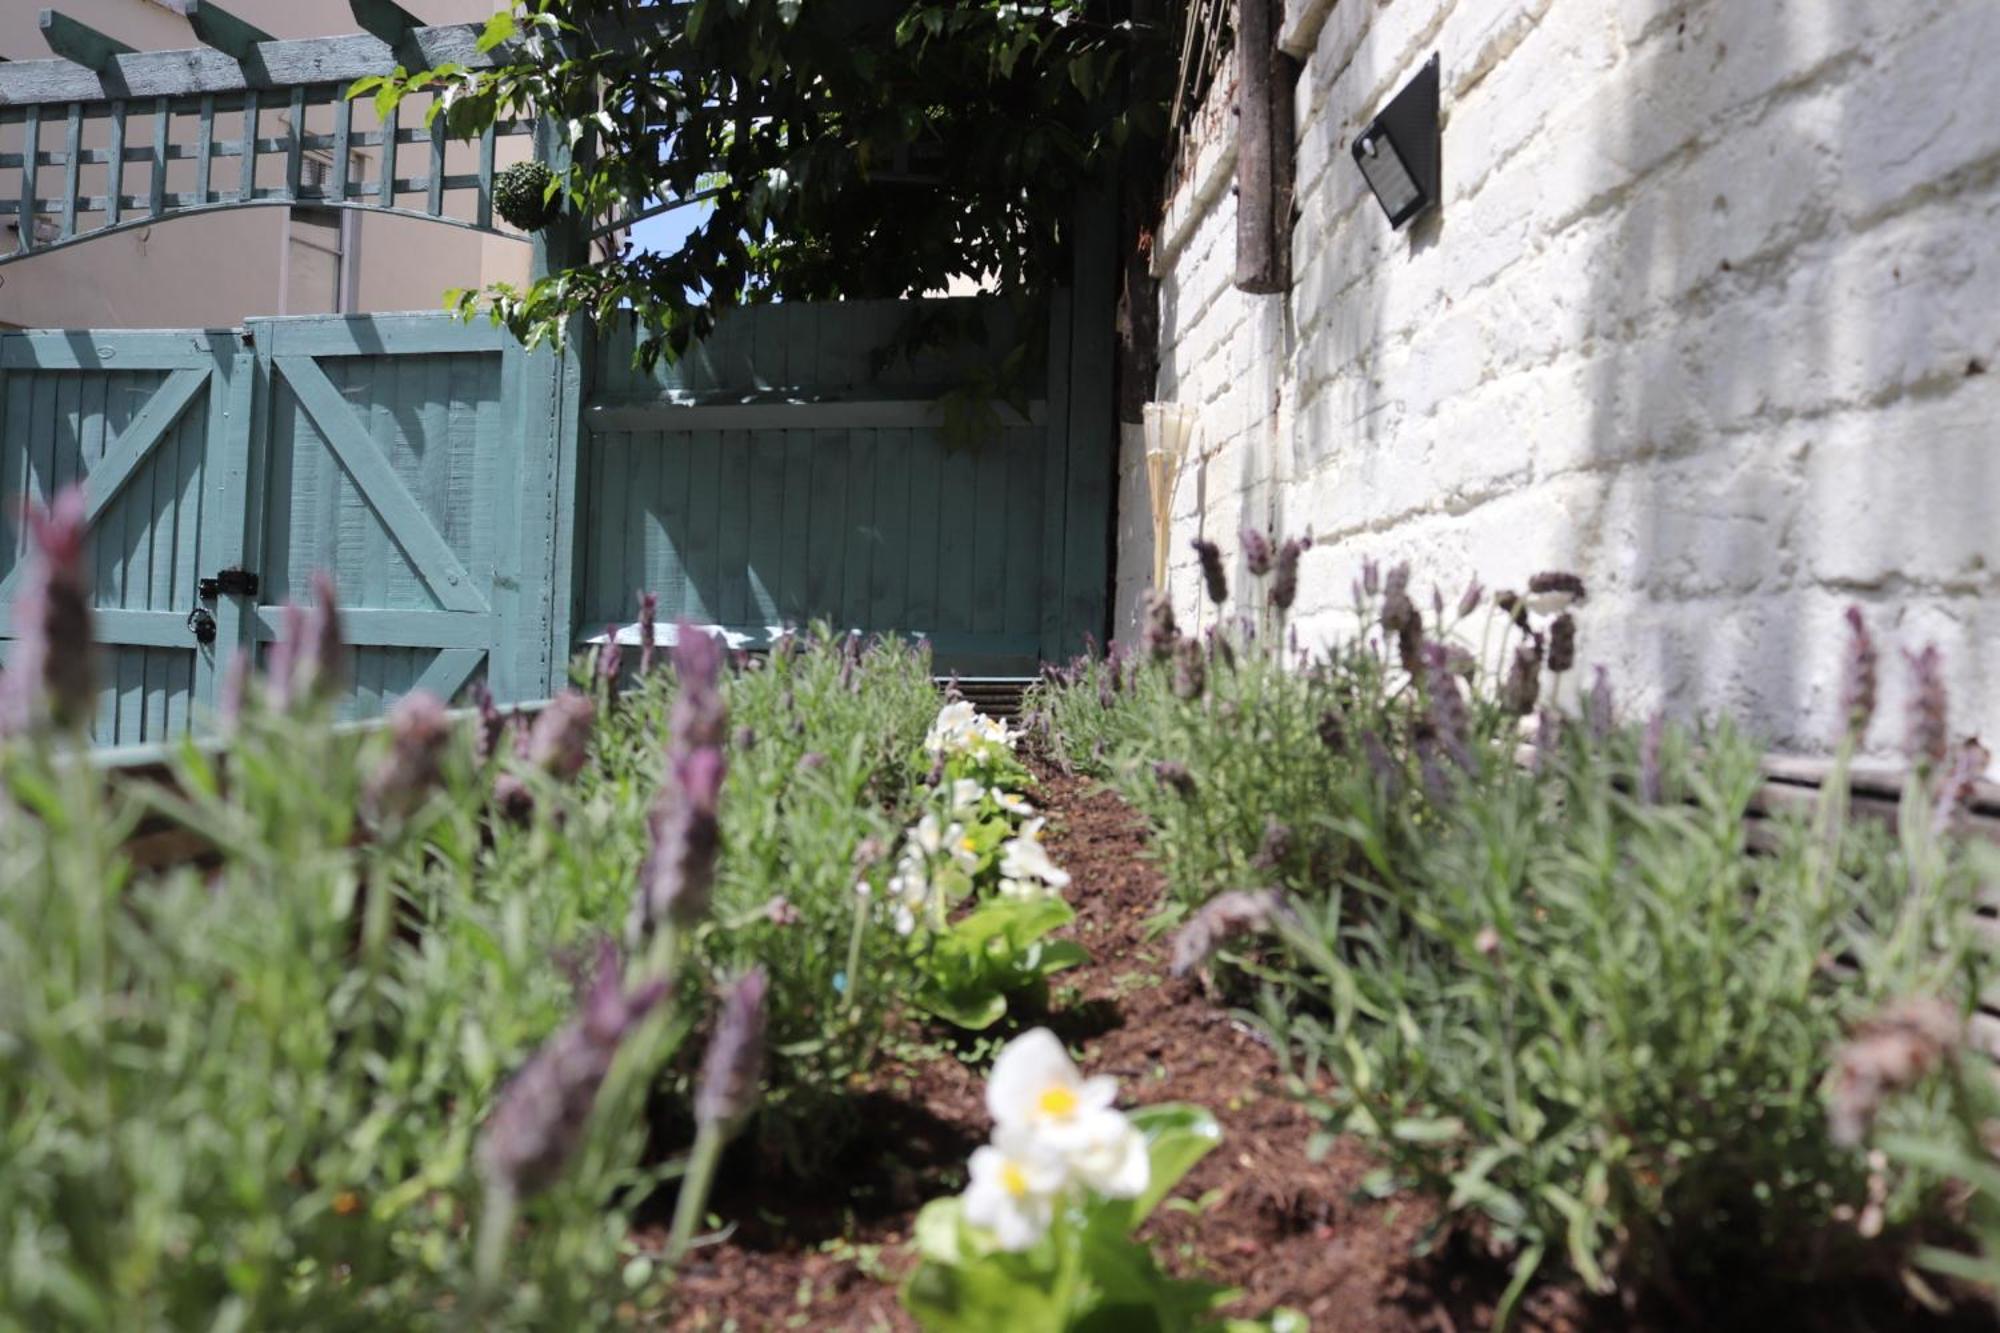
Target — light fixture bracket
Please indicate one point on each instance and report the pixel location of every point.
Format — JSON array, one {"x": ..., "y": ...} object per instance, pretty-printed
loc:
[{"x": 1400, "y": 152}]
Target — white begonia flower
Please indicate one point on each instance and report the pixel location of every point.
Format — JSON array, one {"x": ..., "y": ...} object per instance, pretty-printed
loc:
[
  {"x": 1110, "y": 1156},
  {"x": 1035, "y": 1087},
  {"x": 953, "y": 724},
  {"x": 993, "y": 729},
  {"x": 1013, "y": 1189},
  {"x": 1023, "y": 888},
  {"x": 1012, "y": 803},
  {"x": 1024, "y": 858},
  {"x": 933, "y": 835},
  {"x": 965, "y": 794}
]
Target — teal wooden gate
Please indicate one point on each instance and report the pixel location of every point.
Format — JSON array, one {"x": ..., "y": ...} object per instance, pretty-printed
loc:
[
  {"x": 398, "y": 453},
  {"x": 781, "y": 473}
]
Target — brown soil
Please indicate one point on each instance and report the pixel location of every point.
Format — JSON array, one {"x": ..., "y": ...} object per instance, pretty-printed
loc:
[{"x": 1260, "y": 1213}]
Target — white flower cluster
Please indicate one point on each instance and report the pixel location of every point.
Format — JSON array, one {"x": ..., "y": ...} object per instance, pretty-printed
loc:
[
  {"x": 941, "y": 838},
  {"x": 1053, "y": 1131},
  {"x": 960, "y": 727}
]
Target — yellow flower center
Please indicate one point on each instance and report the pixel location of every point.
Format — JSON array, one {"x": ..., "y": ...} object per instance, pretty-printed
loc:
[
  {"x": 967, "y": 844},
  {"x": 1011, "y": 1180},
  {"x": 1057, "y": 1101}
]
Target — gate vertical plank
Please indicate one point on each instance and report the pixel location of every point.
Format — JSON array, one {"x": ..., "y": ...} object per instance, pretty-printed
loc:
[
  {"x": 701, "y": 559},
  {"x": 247, "y": 187},
  {"x": 229, "y": 517},
  {"x": 829, "y": 526},
  {"x": 890, "y": 572},
  {"x": 1093, "y": 444},
  {"x": 1024, "y": 530},
  {"x": 733, "y": 540},
  {"x": 858, "y": 529},
  {"x": 990, "y": 535},
  {"x": 767, "y": 526},
  {"x": 926, "y": 488},
  {"x": 343, "y": 134},
  {"x": 1055, "y": 467},
  {"x": 574, "y": 369},
  {"x": 957, "y": 496}
]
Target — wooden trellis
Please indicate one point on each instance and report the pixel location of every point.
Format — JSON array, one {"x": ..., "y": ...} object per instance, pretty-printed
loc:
[{"x": 126, "y": 117}]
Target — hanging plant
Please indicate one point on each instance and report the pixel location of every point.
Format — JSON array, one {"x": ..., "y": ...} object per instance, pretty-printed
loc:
[{"x": 525, "y": 195}]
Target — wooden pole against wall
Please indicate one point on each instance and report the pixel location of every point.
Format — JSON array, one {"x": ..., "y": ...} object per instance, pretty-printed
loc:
[{"x": 1265, "y": 76}]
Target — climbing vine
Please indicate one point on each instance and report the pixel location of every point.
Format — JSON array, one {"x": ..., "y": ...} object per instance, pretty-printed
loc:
[{"x": 837, "y": 148}]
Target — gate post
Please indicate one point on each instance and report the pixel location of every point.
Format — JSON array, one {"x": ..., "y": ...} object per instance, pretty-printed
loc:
[{"x": 560, "y": 387}]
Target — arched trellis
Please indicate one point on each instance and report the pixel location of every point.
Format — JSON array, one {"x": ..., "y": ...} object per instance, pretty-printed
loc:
[{"x": 100, "y": 128}]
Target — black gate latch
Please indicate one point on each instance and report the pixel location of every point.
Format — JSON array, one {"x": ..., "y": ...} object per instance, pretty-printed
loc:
[{"x": 235, "y": 582}]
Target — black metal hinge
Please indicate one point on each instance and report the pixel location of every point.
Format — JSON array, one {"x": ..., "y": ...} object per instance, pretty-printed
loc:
[{"x": 235, "y": 582}]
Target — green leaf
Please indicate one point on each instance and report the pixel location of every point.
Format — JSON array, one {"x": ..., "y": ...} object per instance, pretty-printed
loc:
[
  {"x": 1437, "y": 1130},
  {"x": 1177, "y": 1136},
  {"x": 499, "y": 30}
]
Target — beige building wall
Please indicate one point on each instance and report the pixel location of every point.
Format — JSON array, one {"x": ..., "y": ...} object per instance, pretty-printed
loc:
[{"x": 216, "y": 270}]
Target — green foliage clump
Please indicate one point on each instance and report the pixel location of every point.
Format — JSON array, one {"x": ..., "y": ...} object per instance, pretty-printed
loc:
[
  {"x": 248, "y": 1095},
  {"x": 1564, "y": 994}
]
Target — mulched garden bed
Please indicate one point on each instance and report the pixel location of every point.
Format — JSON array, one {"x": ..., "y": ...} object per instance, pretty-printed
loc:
[{"x": 1260, "y": 1213}]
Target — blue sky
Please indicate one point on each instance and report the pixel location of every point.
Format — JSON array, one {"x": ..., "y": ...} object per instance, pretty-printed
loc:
[{"x": 666, "y": 232}]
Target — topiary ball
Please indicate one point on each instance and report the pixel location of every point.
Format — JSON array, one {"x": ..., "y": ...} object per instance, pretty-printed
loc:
[{"x": 521, "y": 196}]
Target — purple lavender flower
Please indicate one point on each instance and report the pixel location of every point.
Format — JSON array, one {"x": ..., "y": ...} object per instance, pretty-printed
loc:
[
  {"x": 1523, "y": 685},
  {"x": 308, "y": 666},
  {"x": 1382, "y": 765},
  {"x": 1220, "y": 648},
  {"x": 235, "y": 689},
  {"x": 492, "y": 727},
  {"x": 1285, "y": 586},
  {"x": 1959, "y": 785},
  {"x": 1468, "y": 601},
  {"x": 539, "y": 1118},
  {"x": 1448, "y": 717},
  {"x": 649, "y": 616},
  {"x": 1161, "y": 632},
  {"x": 1554, "y": 591},
  {"x": 558, "y": 742},
  {"x": 1173, "y": 774},
  {"x": 1371, "y": 577},
  {"x": 732, "y": 1068},
  {"x": 1562, "y": 643},
  {"x": 1275, "y": 847},
  {"x": 51, "y": 678},
  {"x": 1221, "y": 919},
  {"x": 1190, "y": 672},
  {"x": 700, "y": 716},
  {"x": 1401, "y": 620},
  {"x": 1212, "y": 576},
  {"x": 418, "y": 729},
  {"x": 1652, "y": 783},
  {"x": 677, "y": 878},
  {"x": 1929, "y": 736},
  {"x": 1599, "y": 711},
  {"x": 610, "y": 661},
  {"x": 1860, "y": 669},
  {"x": 1256, "y": 552}
]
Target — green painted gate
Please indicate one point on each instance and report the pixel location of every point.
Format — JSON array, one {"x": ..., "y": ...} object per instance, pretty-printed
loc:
[
  {"x": 396, "y": 452},
  {"x": 788, "y": 471}
]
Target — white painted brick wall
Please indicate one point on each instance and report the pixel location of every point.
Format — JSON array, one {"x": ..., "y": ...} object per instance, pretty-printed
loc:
[{"x": 1704, "y": 316}]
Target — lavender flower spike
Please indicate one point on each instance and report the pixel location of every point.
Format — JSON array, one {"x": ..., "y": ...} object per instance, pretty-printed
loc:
[
  {"x": 1448, "y": 716},
  {"x": 542, "y": 1111},
  {"x": 51, "y": 672},
  {"x": 1285, "y": 585},
  {"x": 610, "y": 662},
  {"x": 1256, "y": 552},
  {"x": 700, "y": 717},
  {"x": 732, "y": 1069},
  {"x": 649, "y": 616},
  {"x": 418, "y": 729},
  {"x": 1212, "y": 576},
  {"x": 1222, "y": 918},
  {"x": 1161, "y": 631},
  {"x": 1859, "y": 671},
  {"x": 1929, "y": 737},
  {"x": 677, "y": 879},
  {"x": 1959, "y": 785},
  {"x": 559, "y": 741}
]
